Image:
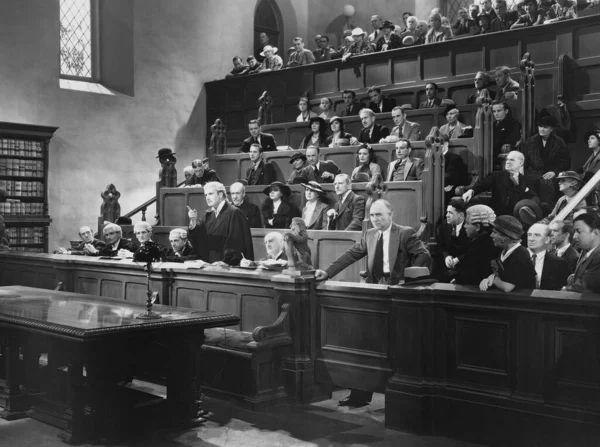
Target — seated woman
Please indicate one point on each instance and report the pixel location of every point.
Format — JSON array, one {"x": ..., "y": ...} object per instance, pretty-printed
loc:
[
  {"x": 314, "y": 213},
  {"x": 317, "y": 136},
  {"x": 326, "y": 106},
  {"x": 143, "y": 233},
  {"x": 298, "y": 161},
  {"x": 360, "y": 46},
  {"x": 278, "y": 210},
  {"x": 592, "y": 165},
  {"x": 484, "y": 22},
  {"x": 366, "y": 163},
  {"x": 338, "y": 136},
  {"x": 305, "y": 112},
  {"x": 438, "y": 32},
  {"x": 389, "y": 41},
  {"x": 453, "y": 128},
  {"x": 569, "y": 184}
]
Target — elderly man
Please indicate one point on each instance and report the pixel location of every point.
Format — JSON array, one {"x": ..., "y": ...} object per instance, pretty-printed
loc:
[
  {"x": 181, "y": 250},
  {"x": 507, "y": 130},
  {"x": 116, "y": 244},
  {"x": 351, "y": 105},
  {"x": 403, "y": 129},
  {"x": 89, "y": 246},
  {"x": 431, "y": 93},
  {"x": 300, "y": 55},
  {"x": 202, "y": 174},
  {"x": 371, "y": 132},
  {"x": 376, "y": 22},
  {"x": 379, "y": 103},
  {"x": 404, "y": 168},
  {"x": 508, "y": 88},
  {"x": 317, "y": 170},
  {"x": 349, "y": 211},
  {"x": 261, "y": 172},
  {"x": 222, "y": 236},
  {"x": 551, "y": 271},
  {"x": 251, "y": 211},
  {"x": 266, "y": 140},
  {"x": 482, "y": 83},
  {"x": 504, "y": 18},
  {"x": 561, "y": 235},
  {"x": 587, "y": 274}
]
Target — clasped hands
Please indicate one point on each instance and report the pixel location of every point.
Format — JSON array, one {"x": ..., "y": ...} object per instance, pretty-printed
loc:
[{"x": 488, "y": 282}]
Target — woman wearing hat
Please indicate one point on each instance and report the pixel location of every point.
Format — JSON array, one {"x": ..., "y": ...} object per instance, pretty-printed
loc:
[
  {"x": 475, "y": 264},
  {"x": 366, "y": 163},
  {"x": 569, "y": 184},
  {"x": 278, "y": 210},
  {"x": 360, "y": 45},
  {"x": 389, "y": 41},
  {"x": 272, "y": 61},
  {"x": 314, "y": 212},
  {"x": 305, "y": 113},
  {"x": 592, "y": 165},
  {"x": 453, "y": 128},
  {"x": 338, "y": 136},
  {"x": 298, "y": 161},
  {"x": 317, "y": 136},
  {"x": 513, "y": 268}
]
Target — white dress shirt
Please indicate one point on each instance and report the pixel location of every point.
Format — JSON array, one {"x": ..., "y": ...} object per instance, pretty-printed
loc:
[
  {"x": 561, "y": 251},
  {"x": 386, "y": 249},
  {"x": 219, "y": 208}
]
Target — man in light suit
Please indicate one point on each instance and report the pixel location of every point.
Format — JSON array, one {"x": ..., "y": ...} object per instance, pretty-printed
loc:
[
  {"x": 389, "y": 249},
  {"x": 404, "y": 128},
  {"x": 587, "y": 274},
  {"x": 266, "y": 140},
  {"x": 261, "y": 172},
  {"x": 349, "y": 211},
  {"x": 405, "y": 168},
  {"x": 319, "y": 171},
  {"x": 551, "y": 272}
]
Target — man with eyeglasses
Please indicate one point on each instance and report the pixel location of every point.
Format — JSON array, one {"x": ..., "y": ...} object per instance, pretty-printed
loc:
[
  {"x": 482, "y": 83},
  {"x": 116, "y": 244},
  {"x": 300, "y": 55},
  {"x": 324, "y": 51}
]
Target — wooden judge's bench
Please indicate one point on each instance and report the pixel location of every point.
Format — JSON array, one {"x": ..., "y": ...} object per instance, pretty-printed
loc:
[{"x": 509, "y": 369}]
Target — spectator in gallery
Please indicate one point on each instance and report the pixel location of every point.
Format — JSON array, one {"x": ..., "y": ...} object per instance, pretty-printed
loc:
[
  {"x": 359, "y": 46},
  {"x": 371, "y": 133},
  {"x": 453, "y": 127},
  {"x": 403, "y": 128},
  {"x": 116, "y": 244},
  {"x": 486, "y": 8},
  {"x": 456, "y": 172},
  {"x": 326, "y": 106},
  {"x": 272, "y": 61},
  {"x": 367, "y": 165},
  {"x": 253, "y": 65},
  {"x": 513, "y": 269},
  {"x": 250, "y": 210},
  {"x": 473, "y": 12},
  {"x": 305, "y": 113},
  {"x": 345, "y": 47},
  {"x": 261, "y": 172},
  {"x": 422, "y": 29},
  {"x": 188, "y": 174},
  {"x": 587, "y": 273},
  {"x": 569, "y": 184},
  {"x": 551, "y": 271},
  {"x": 504, "y": 18},
  {"x": 239, "y": 68},
  {"x": 404, "y": 168},
  {"x": 300, "y": 55},
  {"x": 278, "y": 209},
  {"x": 351, "y": 105},
  {"x": 339, "y": 137},
  {"x": 562, "y": 10},
  {"x": 545, "y": 5},
  {"x": 508, "y": 88},
  {"x": 379, "y": 103},
  {"x": 532, "y": 16},
  {"x": 389, "y": 41},
  {"x": 464, "y": 24},
  {"x": 405, "y": 17},
  {"x": 202, "y": 175},
  {"x": 484, "y": 22},
  {"x": 452, "y": 241},
  {"x": 266, "y": 140},
  {"x": 181, "y": 250},
  {"x": 592, "y": 164},
  {"x": 482, "y": 88},
  {"x": 317, "y": 40},
  {"x": 263, "y": 39},
  {"x": 376, "y": 23},
  {"x": 315, "y": 210},
  {"x": 561, "y": 235},
  {"x": 324, "y": 51},
  {"x": 298, "y": 161},
  {"x": 507, "y": 131},
  {"x": 318, "y": 133},
  {"x": 348, "y": 212},
  {"x": 89, "y": 245},
  {"x": 320, "y": 171},
  {"x": 437, "y": 32},
  {"x": 410, "y": 31},
  {"x": 432, "y": 98}
]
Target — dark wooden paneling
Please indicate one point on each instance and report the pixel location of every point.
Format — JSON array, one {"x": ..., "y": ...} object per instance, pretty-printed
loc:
[
  {"x": 544, "y": 91},
  {"x": 326, "y": 82},
  {"x": 176, "y": 204},
  {"x": 378, "y": 74},
  {"x": 406, "y": 69},
  {"x": 503, "y": 53},
  {"x": 194, "y": 298},
  {"x": 542, "y": 47},
  {"x": 586, "y": 41},
  {"x": 349, "y": 79},
  {"x": 252, "y": 317},
  {"x": 436, "y": 65},
  {"x": 469, "y": 60},
  {"x": 136, "y": 292}
]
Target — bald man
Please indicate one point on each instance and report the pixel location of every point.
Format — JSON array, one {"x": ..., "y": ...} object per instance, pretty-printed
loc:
[
  {"x": 250, "y": 210},
  {"x": 89, "y": 246}
]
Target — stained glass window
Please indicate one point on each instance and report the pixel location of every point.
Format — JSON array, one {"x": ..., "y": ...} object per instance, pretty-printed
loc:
[{"x": 76, "y": 44}]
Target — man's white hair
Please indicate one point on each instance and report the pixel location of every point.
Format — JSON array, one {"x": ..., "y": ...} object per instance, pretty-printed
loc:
[{"x": 178, "y": 232}]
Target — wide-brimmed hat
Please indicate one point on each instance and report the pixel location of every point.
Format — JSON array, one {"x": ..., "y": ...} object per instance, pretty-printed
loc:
[
  {"x": 314, "y": 186},
  {"x": 164, "y": 152},
  {"x": 285, "y": 189},
  {"x": 508, "y": 226},
  {"x": 570, "y": 174},
  {"x": 268, "y": 48},
  {"x": 387, "y": 24},
  {"x": 595, "y": 133},
  {"x": 358, "y": 32},
  {"x": 361, "y": 177},
  {"x": 296, "y": 156},
  {"x": 336, "y": 118},
  {"x": 321, "y": 121},
  {"x": 415, "y": 276},
  {"x": 449, "y": 108},
  {"x": 546, "y": 120},
  {"x": 528, "y": 211},
  {"x": 481, "y": 214},
  {"x": 299, "y": 179}
]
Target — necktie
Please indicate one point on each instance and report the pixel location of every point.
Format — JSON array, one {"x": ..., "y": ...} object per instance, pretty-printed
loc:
[
  {"x": 537, "y": 279},
  {"x": 378, "y": 260},
  {"x": 454, "y": 232},
  {"x": 533, "y": 259}
]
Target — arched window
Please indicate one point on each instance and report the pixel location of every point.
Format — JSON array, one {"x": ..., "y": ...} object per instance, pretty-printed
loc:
[
  {"x": 78, "y": 40},
  {"x": 267, "y": 19}
]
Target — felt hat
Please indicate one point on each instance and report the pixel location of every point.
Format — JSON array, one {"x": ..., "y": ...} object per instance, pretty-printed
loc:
[
  {"x": 358, "y": 32},
  {"x": 314, "y": 186},
  {"x": 528, "y": 211},
  {"x": 387, "y": 24},
  {"x": 595, "y": 133},
  {"x": 321, "y": 121},
  {"x": 164, "y": 152},
  {"x": 417, "y": 276},
  {"x": 449, "y": 108},
  {"x": 299, "y": 179},
  {"x": 545, "y": 119},
  {"x": 408, "y": 40},
  {"x": 508, "y": 226},
  {"x": 570, "y": 174},
  {"x": 268, "y": 48},
  {"x": 285, "y": 189},
  {"x": 361, "y": 177},
  {"x": 481, "y": 214},
  {"x": 205, "y": 160},
  {"x": 296, "y": 156},
  {"x": 336, "y": 118}
]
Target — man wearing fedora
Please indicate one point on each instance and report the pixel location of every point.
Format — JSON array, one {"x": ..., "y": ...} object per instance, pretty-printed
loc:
[
  {"x": 550, "y": 270},
  {"x": 298, "y": 161},
  {"x": 512, "y": 192},
  {"x": 348, "y": 212},
  {"x": 403, "y": 128},
  {"x": 404, "y": 168},
  {"x": 300, "y": 55},
  {"x": 314, "y": 212},
  {"x": 261, "y": 172},
  {"x": 266, "y": 140},
  {"x": 371, "y": 133},
  {"x": 379, "y": 103},
  {"x": 250, "y": 210},
  {"x": 569, "y": 184},
  {"x": 319, "y": 171},
  {"x": 587, "y": 273},
  {"x": 272, "y": 61},
  {"x": 561, "y": 235}
]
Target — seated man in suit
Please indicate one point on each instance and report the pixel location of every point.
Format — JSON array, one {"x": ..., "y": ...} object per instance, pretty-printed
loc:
[
  {"x": 261, "y": 172},
  {"x": 404, "y": 128},
  {"x": 181, "y": 250},
  {"x": 371, "y": 133},
  {"x": 452, "y": 241},
  {"x": 404, "y": 168},
  {"x": 431, "y": 92},
  {"x": 389, "y": 249},
  {"x": 508, "y": 88},
  {"x": 380, "y": 104},
  {"x": 89, "y": 245},
  {"x": 482, "y": 82},
  {"x": 587, "y": 274},
  {"x": 116, "y": 244},
  {"x": 561, "y": 235},
  {"x": 266, "y": 140},
  {"x": 275, "y": 252},
  {"x": 507, "y": 130},
  {"x": 203, "y": 174},
  {"x": 349, "y": 211},
  {"x": 351, "y": 105},
  {"x": 551, "y": 271},
  {"x": 317, "y": 170},
  {"x": 250, "y": 210}
]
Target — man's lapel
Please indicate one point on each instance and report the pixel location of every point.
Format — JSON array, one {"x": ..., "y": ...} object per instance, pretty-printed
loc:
[
  {"x": 259, "y": 169},
  {"x": 407, "y": 167},
  {"x": 316, "y": 213},
  {"x": 345, "y": 203}
]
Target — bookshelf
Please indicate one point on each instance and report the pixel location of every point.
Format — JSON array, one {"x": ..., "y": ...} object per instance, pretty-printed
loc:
[{"x": 24, "y": 152}]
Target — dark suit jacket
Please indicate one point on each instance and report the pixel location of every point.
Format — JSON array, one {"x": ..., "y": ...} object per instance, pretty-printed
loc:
[
  {"x": 505, "y": 194},
  {"x": 354, "y": 109},
  {"x": 265, "y": 174},
  {"x": 267, "y": 141},
  {"x": 507, "y": 131},
  {"x": 571, "y": 256},
  {"x": 379, "y": 132},
  {"x": 324, "y": 166},
  {"x": 405, "y": 250},
  {"x": 472, "y": 99},
  {"x": 475, "y": 264},
  {"x": 437, "y": 102},
  {"x": 318, "y": 220},
  {"x": 455, "y": 170},
  {"x": 187, "y": 254},
  {"x": 252, "y": 213},
  {"x": 587, "y": 273},
  {"x": 554, "y": 273},
  {"x": 96, "y": 243},
  {"x": 286, "y": 211},
  {"x": 350, "y": 213},
  {"x": 210, "y": 175},
  {"x": 123, "y": 244},
  {"x": 450, "y": 245},
  {"x": 388, "y": 105}
]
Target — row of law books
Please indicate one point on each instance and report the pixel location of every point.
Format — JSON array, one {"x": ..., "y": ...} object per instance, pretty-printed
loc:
[
  {"x": 25, "y": 235},
  {"x": 17, "y": 208},
  {"x": 21, "y": 167},
  {"x": 19, "y": 188},
  {"x": 21, "y": 148}
]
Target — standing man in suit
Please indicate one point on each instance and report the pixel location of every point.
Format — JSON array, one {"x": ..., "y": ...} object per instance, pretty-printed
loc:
[
  {"x": 587, "y": 273},
  {"x": 456, "y": 172},
  {"x": 351, "y": 106},
  {"x": 551, "y": 272},
  {"x": 250, "y": 210},
  {"x": 349, "y": 211},
  {"x": 261, "y": 172},
  {"x": 371, "y": 133},
  {"x": 507, "y": 130},
  {"x": 380, "y": 104},
  {"x": 452, "y": 241},
  {"x": 508, "y": 88},
  {"x": 266, "y": 140},
  {"x": 403, "y": 129},
  {"x": 561, "y": 235},
  {"x": 319, "y": 171},
  {"x": 389, "y": 249},
  {"x": 404, "y": 168},
  {"x": 431, "y": 92}
]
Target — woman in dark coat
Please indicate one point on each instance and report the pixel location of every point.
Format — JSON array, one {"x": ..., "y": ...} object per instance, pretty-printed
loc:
[
  {"x": 318, "y": 135},
  {"x": 592, "y": 165},
  {"x": 278, "y": 210}
]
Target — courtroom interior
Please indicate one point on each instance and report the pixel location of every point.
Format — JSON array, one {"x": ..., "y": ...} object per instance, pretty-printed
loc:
[{"x": 300, "y": 222}]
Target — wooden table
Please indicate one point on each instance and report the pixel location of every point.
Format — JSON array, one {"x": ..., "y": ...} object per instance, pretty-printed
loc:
[{"x": 101, "y": 343}]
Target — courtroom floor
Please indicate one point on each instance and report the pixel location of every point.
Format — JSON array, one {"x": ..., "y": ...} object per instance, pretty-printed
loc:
[{"x": 320, "y": 424}]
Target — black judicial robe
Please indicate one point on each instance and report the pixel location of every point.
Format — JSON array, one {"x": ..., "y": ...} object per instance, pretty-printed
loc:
[{"x": 224, "y": 238}]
